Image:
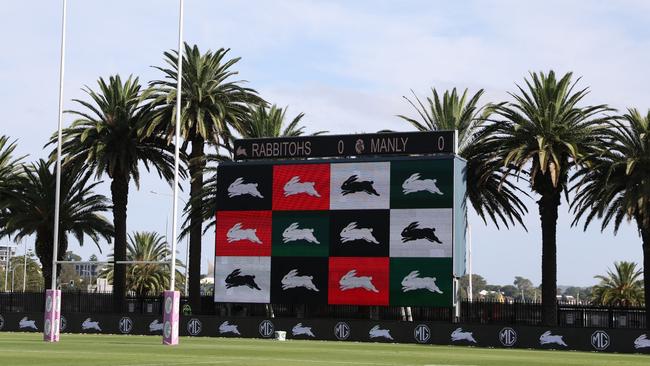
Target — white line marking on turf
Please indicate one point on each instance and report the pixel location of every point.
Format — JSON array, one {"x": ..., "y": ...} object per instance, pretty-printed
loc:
[
  {"x": 163, "y": 363},
  {"x": 329, "y": 362}
]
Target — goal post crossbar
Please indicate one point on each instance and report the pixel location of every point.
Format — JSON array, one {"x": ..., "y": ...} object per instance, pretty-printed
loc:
[{"x": 113, "y": 262}]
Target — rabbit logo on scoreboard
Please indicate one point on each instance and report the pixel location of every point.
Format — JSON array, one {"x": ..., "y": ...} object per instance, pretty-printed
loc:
[{"x": 375, "y": 232}]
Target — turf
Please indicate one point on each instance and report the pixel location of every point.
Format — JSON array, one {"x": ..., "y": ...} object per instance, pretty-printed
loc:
[{"x": 95, "y": 350}]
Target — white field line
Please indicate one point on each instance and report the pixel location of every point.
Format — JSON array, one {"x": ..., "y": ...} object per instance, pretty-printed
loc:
[
  {"x": 330, "y": 362},
  {"x": 173, "y": 364},
  {"x": 230, "y": 359}
]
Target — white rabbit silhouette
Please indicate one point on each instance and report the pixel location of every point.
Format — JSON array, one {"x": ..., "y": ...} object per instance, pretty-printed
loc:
[
  {"x": 414, "y": 184},
  {"x": 352, "y": 233},
  {"x": 351, "y": 281},
  {"x": 236, "y": 233},
  {"x": 294, "y": 186}
]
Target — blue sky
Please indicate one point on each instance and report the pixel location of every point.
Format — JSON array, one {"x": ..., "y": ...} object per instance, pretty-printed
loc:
[{"x": 347, "y": 66}]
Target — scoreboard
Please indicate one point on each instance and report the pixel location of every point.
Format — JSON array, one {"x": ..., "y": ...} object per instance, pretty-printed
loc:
[{"x": 387, "y": 231}]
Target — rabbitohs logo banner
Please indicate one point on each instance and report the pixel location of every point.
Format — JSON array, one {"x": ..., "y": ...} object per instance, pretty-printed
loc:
[
  {"x": 358, "y": 281},
  {"x": 422, "y": 184},
  {"x": 359, "y": 233},
  {"x": 301, "y": 187},
  {"x": 243, "y": 233},
  {"x": 360, "y": 186},
  {"x": 421, "y": 233},
  {"x": 299, "y": 280},
  {"x": 301, "y": 234},
  {"x": 244, "y": 188},
  {"x": 242, "y": 279},
  {"x": 420, "y": 281}
]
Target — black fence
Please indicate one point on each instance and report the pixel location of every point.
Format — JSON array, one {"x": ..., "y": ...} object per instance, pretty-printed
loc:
[{"x": 477, "y": 312}]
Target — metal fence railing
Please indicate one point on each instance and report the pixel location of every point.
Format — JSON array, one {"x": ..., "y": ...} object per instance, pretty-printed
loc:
[{"x": 481, "y": 312}]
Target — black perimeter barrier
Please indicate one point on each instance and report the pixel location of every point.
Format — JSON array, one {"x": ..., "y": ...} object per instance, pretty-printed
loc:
[
  {"x": 481, "y": 324},
  {"x": 423, "y": 332},
  {"x": 480, "y": 312}
]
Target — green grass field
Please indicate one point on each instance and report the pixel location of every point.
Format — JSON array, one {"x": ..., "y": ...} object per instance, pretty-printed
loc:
[{"x": 96, "y": 350}]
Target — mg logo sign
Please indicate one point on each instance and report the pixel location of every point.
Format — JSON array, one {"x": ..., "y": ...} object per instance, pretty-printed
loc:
[
  {"x": 167, "y": 329},
  {"x": 168, "y": 305},
  {"x": 422, "y": 333},
  {"x": 508, "y": 337},
  {"x": 194, "y": 327},
  {"x": 126, "y": 325},
  {"x": 342, "y": 331},
  {"x": 64, "y": 323},
  {"x": 600, "y": 340},
  {"x": 266, "y": 328},
  {"x": 47, "y": 326},
  {"x": 48, "y": 304}
]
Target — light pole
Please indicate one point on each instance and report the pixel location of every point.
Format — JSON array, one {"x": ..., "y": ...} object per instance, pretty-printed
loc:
[
  {"x": 8, "y": 248},
  {"x": 187, "y": 246},
  {"x": 25, "y": 267},
  {"x": 7, "y": 254}
]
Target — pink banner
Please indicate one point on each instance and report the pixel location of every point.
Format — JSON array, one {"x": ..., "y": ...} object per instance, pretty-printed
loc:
[
  {"x": 171, "y": 317},
  {"x": 51, "y": 325}
]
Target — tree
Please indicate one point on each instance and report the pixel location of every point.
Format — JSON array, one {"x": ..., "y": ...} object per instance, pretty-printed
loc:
[
  {"x": 148, "y": 278},
  {"x": 107, "y": 139},
  {"x": 31, "y": 212},
  {"x": 212, "y": 104},
  {"x": 510, "y": 291},
  {"x": 263, "y": 122},
  {"x": 621, "y": 287},
  {"x": 9, "y": 172},
  {"x": 616, "y": 184},
  {"x": 543, "y": 134},
  {"x": 487, "y": 191},
  {"x": 581, "y": 294},
  {"x": 34, "y": 278},
  {"x": 70, "y": 256},
  {"x": 69, "y": 279},
  {"x": 524, "y": 286},
  {"x": 478, "y": 284},
  {"x": 269, "y": 122}
]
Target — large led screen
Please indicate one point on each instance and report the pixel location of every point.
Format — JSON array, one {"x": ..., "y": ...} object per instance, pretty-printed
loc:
[{"x": 361, "y": 233}]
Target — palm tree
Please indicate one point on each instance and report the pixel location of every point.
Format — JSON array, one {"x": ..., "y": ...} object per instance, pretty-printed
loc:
[
  {"x": 212, "y": 105},
  {"x": 263, "y": 122},
  {"x": 31, "y": 211},
  {"x": 622, "y": 287},
  {"x": 487, "y": 191},
  {"x": 9, "y": 164},
  {"x": 107, "y": 139},
  {"x": 147, "y": 278},
  {"x": 544, "y": 133},
  {"x": 269, "y": 122},
  {"x": 616, "y": 184},
  {"x": 9, "y": 171}
]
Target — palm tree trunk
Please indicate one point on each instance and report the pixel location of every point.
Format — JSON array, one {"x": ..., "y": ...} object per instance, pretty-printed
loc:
[
  {"x": 548, "y": 207},
  {"x": 43, "y": 246},
  {"x": 120, "y": 196},
  {"x": 196, "y": 167},
  {"x": 645, "y": 237}
]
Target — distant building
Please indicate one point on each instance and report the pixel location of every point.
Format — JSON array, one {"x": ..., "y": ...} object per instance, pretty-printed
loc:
[
  {"x": 5, "y": 251},
  {"x": 86, "y": 270},
  {"x": 102, "y": 286}
]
